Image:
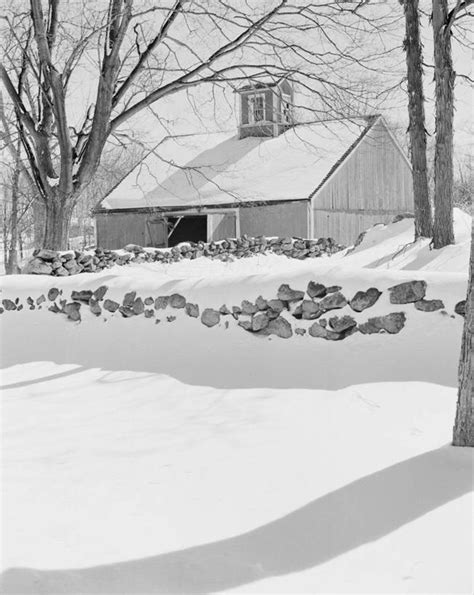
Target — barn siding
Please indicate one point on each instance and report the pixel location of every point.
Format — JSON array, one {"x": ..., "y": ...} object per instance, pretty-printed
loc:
[
  {"x": 222, "y": 226},
  {"x": 116, "y": 230},
  {"x": 371, "y": 186},
  {"x": 285, "y": 219}
]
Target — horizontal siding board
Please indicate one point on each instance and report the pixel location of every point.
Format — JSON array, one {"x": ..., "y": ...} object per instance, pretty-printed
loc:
[{"x": 288, "y": 219}]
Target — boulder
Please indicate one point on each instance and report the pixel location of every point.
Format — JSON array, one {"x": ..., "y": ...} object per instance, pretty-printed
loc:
[
  {"x": 276, "y": 305},
  {"x": 61, "y": 272},
  {"x": 45, "y": 254},
  {"x": 53, "y": 294},
  {"x": 316, "y": 290},
  {"x": 138, "y": 306},
  {"x": 129, "y": 298},
  {"x": 111, "y": 306},
  {"x": 126, "y": 311},
  {"x": 192, "y": 310},
  {"x": 36, "y": 266},
  {"x": 429, "y": 305},
  {"x": 177, "y": 301},
  {"x": 236, "y": 311},
  {"x": 365, "y": 299},
  {"x": 460, "y": 308},
  {"x": 333, "y": 301},
  {"x": 82, "y": 296},
  {"x": 248, "y": 308},
  {"x": 408, "y": 292},
  {"x": 133, "y": 248},
  {"x": 260, "y": 321},
  {"x": 287, "y": 294},
  {"x": 149, "y": 313},
  {"x": 210, "y": 317},
  {"x": 9, "y": 304},
  {"x": 391, "y": 323},
  {"x": 278, "y": 326},
  {"x": 54, "y": 308},
  {"x": 171, "y": 318},
  {"x": 100, "y": 292},
  {"x": 94, "y": 307},
  {"x": 300, "y": 331},
  {"x": 342, "y": 324},
  {"x": 72, "y": 311},
  {"x": 224, "y": 310},
  {"x": 317, "y": 330},
  {"x": 310, "y": 310},
  {"x": 40, "y": 300},
  {"x": 261, "y": 303},
  {"x": 245, "y": 324},
  {"x": 161, "y": 302},
  {"x": 333, "y": 288},
  {"x": 148, "y": 301}
]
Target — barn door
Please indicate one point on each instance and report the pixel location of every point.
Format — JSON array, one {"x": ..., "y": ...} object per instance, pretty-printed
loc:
[
  {"x": 221, "y": 226},
  {"x": 157, "y": 232}
]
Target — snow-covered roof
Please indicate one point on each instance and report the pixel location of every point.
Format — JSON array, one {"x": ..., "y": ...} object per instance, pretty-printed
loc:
[{"x": 219, "y": 168}]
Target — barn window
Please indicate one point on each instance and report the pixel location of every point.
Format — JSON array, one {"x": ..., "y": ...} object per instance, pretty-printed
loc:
[
  {"x": 256, "y": 108},
  {"x": 286, "y": 108}
]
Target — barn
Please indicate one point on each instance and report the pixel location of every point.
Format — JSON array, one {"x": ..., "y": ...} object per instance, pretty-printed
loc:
[{"x": 271, "y": 177}]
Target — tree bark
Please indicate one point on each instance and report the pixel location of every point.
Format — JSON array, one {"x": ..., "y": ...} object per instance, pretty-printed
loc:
[
  {"x": 463, "y": 432},
  {"x": 57, "y": 223},
  {"x": 443, "y": 231},
  {"x": 416, "y": 112}
]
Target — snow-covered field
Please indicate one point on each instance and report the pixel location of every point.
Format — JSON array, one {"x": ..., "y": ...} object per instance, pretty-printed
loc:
[{"x": 172, "y": 458}]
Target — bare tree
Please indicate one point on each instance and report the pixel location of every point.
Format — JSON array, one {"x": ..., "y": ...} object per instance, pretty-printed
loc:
[
  {"x": 416, "y": 113},
  {"x": 463, "y": 433},
  {"x": 139, "y": 53},
  {"x": 443, "y": 20}
]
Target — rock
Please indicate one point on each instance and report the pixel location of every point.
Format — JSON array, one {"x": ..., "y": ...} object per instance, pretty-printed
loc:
[
  {"x": 261, "y": 303},
  {"x": 72, "y": 311},
  {"x": 126, "y": 311},
  {"x": 94, "y": 307},
  {"x": 365, "y": 299},
  {"x": 54, "y": 308},
  {"x": 391, "y": 323},
  {"x": 248, "y": 308},
  {"x": 341, "y": 324},
  {"x": 9, "y": 305},
  {"x": 236, "y": 311},
  {"x": 1, "y": 310},
  {"x": 82, "y": 296},
  {"x": 171, "y": 318},
  {"x": 276, "y": 305},
  {"x": 111, "y": 306},
  {"x": 460, "y": 308},
  {"x": 316, "y": 290},
  {"x": 300, "y": 331},
  {"x": 192, "y": 310},
  {"x": 100, "y": 292},
  {"x": 310, "y": 310},
  {"x": 61, "y": 272},
  {"x": 149, "y": 313},
  {"x": 161, "y": 302},
  {"x": 259, "y": 321},
  {"x": 245, "y": 324},
  {"x": 129, "y": 298},
  {"x": 133, "y": 248},
  {"x": 37, "y": 267},
  {"x": 210, "y": 317},
  {"x": 177, "y": 301},
  {"x": 148, "y": 301},
  {"x": 138, "y": 306},
  {"x": 408, "y": 292},
  {"x": 70, "y": 265},
  {"x": 333, "y": 288},
  {"x": 45, "y": 254},
  {"x": 278, "y": 326},
  {"x": 286, "y": 294},
  {"x": 40, "y": 300},
  {"x": 316, "y": 330},
  {"x": 53, "y": 294},
  {"x": 333, "y": 301},
  {"x": 224, "y": 310},
  {"x": 429, "y": 305},
  {"x": 30, "y": 301}
]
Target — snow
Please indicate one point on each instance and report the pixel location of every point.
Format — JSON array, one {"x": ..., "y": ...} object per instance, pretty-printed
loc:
[
  {"x": 218, "y": 168},
  {"x": 172, "y": 458}
]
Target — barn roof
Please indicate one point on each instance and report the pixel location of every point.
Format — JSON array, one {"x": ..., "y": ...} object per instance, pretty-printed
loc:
[{"x": 218, "y": 168}]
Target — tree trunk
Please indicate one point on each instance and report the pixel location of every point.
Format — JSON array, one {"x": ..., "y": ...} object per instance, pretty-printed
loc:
[
  {"x": 463, "y": 433},
  {"x": 58, "y": 220},
  {"x": 443, "y": 232},
  {"x": 416, "y": 111},
  {"x": 11, "y": 266}
]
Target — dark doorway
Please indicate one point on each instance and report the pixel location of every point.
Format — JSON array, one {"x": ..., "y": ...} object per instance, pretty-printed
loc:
[{"x": 191, "y": 228}]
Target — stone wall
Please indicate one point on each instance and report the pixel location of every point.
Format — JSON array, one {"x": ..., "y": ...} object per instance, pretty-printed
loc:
[
  {"x": 314, "y": 311},
  {"x": 62, "y": 264}
]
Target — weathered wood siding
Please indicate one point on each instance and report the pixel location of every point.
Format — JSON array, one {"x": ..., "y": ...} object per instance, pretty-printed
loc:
[
  {"x": 116, "y": 230},
  {"x": 221, "y": 226},
  {"x": 285, "y": 219},
  {"x": 371, "y": 186}
]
